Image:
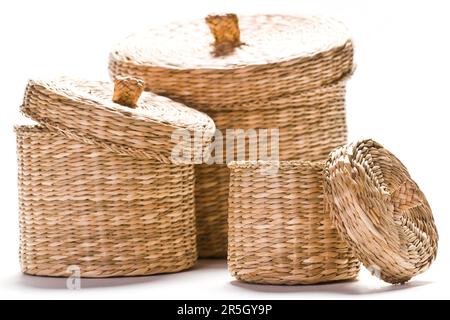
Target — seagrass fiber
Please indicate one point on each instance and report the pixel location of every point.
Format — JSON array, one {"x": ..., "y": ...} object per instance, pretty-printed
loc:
[
  {"x": 247, "y": 72},
  {"x": 98, "y": 193},
  {"x": 280, "y": 230},
  {"x": 280, "y": 55},
  {"x": 109, "y": 215},
  {"x": 85, "y": 110},
  {"x": 380, "y": 211}
]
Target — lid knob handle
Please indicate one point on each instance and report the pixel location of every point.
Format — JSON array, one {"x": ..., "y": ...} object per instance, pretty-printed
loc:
[
  {"x": 225, "y": 29},
  {"x": 127, "y": 91}
]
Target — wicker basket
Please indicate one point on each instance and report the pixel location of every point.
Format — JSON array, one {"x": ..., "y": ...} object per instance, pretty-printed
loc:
[
  {"x": 270, "y": 71},
  {"x": 96, "y": 186},
  {"x": 298, "y": 222},
  {"x": 279, "y": 229}
]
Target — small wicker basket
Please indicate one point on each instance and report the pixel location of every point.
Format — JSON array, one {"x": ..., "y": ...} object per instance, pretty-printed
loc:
[
  {"x": 96, "y": 186},
  {"x": 297, "y": 222},
  {"x": 279, "y": 229},
  {"x": 265, "y": 71}
]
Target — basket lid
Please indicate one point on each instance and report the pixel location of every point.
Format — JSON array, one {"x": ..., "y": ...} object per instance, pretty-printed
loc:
[
  {"x": 117, "y": 116},
  {"x": 228, "y": 42},
  {"x": 243, "y": 58},
  {"x": 380, "y": 211}
]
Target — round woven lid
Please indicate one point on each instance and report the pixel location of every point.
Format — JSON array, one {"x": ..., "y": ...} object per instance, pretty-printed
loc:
[
  {"x": 380, "y": 211},
  {"x": 265, "y": 39},
  {"x": 117, "y": 116},
  {"x": 188, "y": 60}
]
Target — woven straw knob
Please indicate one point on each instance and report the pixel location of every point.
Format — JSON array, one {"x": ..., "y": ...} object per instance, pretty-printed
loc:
[
  {"x": 127, "y": 91},
  {"x": 225, "y": 29}
]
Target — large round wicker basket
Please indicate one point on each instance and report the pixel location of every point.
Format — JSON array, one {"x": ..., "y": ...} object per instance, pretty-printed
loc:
[
  {"x": 97, "y": 191},
  {"x": 265, "y": 71}
]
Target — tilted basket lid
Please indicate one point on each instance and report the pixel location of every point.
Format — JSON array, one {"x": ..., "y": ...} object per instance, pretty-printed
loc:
[
  {"x": 227, "y": 59},
  {"x": 380, "y": 211},
  {"x": 116, "y": 116}
]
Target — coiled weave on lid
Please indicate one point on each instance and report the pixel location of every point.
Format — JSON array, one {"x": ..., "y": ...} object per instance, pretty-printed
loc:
[
  {"x": 280, "y": 55},
  {"x": 84, "y": 110},
  {"x": 380, "y": 211}
]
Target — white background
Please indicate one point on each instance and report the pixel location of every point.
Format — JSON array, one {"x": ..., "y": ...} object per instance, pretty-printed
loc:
[{"x": 399, "y": 96}]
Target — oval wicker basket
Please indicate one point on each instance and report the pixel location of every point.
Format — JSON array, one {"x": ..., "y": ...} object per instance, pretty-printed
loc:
[
  {"x": 280, "y": 231},
  {"x": 96, "y": 190},
  {"x": 265, "y": 71}
]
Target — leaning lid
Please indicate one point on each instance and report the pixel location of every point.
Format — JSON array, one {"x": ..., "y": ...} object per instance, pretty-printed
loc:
[
  {"x": 380, "y": 211},
  {"x": 245, "y": 57},
  {"x": 116, "y": 116}
]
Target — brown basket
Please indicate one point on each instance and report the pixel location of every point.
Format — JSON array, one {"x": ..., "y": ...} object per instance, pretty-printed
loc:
[
  {"x": 95, "y": 190},
  {"x": 279, "y": 229},
  {"x": 298, "y": 222},
  {"x": 271, "y": 71},
  {"x": 380, "y": 211}
]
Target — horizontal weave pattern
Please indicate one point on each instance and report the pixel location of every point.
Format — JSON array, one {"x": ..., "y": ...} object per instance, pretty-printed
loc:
[
  {"x": 310, "y": 126},
  {"x": 280, "y": 231},
  {"x": 282, "y": 54},
  {"x": 110, "y": 215},
  {"x": 85, "y": 108},
  {"x": 289, "y": 74}
]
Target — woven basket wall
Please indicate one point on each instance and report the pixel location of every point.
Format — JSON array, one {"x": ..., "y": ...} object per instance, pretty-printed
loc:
[
  {"x": 110, "y": 209},
  {"x": 108, "y": 214},
  {"x": 290, "y": 74},
  {"x": 280, "y": 230}
]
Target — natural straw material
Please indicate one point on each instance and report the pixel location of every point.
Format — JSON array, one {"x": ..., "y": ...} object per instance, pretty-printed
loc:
[
  {"x": 85, "y": 110},
  {"x": 279, "y": 229},
  {"x": 107, "y": 214},
  {"x": 380, "y": 211},
  {"x": 281, "y": 55},
  {"x": 90, "y": 196},
  {"x": 310, "y": 124},
  {"x": 225, "y": 30},
  {"x": 127, "y": 91},
  {"x": 211, "y": 207},
  {"x": 307, "y": 132},
  {"x": 288, "y": 73}
]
